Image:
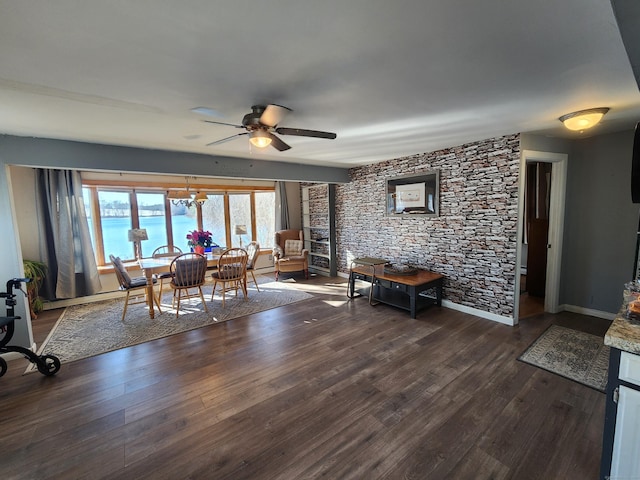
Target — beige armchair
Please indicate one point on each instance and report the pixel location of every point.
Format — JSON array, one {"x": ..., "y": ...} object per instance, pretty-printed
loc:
[{"x": 289, "y": 254}]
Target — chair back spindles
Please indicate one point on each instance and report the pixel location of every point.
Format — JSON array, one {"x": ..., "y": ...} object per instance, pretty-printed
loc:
[
  {"x": 231, "y": 272},
  {"x": 253, "y": 250},
  {"x": 188, "y": 271},
  {"x": 128, "y": 284},
  {"x": 166, "y": 251},
  {"x": 232, "y": 264}
]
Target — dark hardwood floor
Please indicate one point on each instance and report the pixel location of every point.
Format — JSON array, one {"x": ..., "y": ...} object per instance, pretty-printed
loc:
[
  {"x": 323, "y": 388},
  {"x": 530, "y": 306}
]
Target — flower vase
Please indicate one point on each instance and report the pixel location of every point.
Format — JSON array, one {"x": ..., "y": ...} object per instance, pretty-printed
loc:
[{"x": 199, "y": 249}]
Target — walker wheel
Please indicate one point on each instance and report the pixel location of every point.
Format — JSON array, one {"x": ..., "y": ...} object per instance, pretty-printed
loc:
[
  {"x": 3, "y": 366},
  {"x": 48, "y": 365}
]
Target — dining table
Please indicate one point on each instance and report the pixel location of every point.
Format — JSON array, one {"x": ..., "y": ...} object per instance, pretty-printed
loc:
[{"x": 153, "y": 265}]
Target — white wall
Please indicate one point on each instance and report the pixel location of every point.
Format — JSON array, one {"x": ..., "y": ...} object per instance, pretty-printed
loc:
[
  {"x": 600, "y": 220},
  {"x": 23, "y": 181},
  {"x": 11, "y": 264}
]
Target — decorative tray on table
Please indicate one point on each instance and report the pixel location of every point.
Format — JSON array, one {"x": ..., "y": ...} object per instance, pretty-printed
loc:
[{"x": 399, "y": 269}]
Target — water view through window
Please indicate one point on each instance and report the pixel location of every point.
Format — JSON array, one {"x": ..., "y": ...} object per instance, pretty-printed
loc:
[
  {"x": 116, "y": 240},
  {"x": 116, "y": 219}
]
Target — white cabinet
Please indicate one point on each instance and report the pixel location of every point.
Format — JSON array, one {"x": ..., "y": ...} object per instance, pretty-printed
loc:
[
  {"x": 629, "y": 370},
  {"x": 625, "y": 462},
  {"x": 621, "y": 439}
]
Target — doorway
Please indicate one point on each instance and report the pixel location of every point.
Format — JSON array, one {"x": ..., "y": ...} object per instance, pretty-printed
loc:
[
  {"x": 535, "y": 238},
  {"x": 546, "y": 199}
]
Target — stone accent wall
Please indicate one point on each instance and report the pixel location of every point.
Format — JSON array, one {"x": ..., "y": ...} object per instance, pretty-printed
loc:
[{"x": 473, "y": 241}]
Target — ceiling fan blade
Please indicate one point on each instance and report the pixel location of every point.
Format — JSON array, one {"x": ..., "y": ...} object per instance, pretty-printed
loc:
[
  {"x": 277, "y": 143},
  {"x": 305, "y": 133},
  {"x": 273, "y": 115},
  {"x": 227, "y": 139},
  {"x": 223, "y": 123}
]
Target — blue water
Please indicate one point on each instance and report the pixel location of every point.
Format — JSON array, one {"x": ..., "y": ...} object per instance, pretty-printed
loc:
[{"x": 116, "y": 242}]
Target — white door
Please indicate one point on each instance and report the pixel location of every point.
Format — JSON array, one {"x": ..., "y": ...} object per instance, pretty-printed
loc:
[{"x": 556, "y": 225}]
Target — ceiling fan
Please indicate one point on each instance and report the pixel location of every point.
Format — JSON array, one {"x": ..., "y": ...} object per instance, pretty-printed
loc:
[{"x": 262, "y": 123}]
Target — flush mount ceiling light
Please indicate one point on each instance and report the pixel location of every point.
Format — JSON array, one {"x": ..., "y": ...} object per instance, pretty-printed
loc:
[
  {"x": 583, "y": 119},
  {"x": 259, "y": 138}
]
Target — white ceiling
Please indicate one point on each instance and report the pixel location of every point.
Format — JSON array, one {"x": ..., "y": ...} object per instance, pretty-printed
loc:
[{"x": 390, "y": 78}]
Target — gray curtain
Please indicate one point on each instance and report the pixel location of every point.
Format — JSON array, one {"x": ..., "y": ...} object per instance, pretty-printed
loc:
[
  {"x": 282, "y": 208},
  {"x": 65, "y": 244}
]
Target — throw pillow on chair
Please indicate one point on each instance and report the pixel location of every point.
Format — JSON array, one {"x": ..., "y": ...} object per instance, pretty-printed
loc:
[{"x": 293, "y": 248}]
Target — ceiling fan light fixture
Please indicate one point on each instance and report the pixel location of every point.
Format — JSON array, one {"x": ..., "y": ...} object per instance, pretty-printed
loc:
[
  {"x": 259, "y": 138},
  {"x": 583, "y": 119}
]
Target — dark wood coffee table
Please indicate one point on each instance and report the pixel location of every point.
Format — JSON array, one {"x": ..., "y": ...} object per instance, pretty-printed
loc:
[{"x": 409, "y": 292}]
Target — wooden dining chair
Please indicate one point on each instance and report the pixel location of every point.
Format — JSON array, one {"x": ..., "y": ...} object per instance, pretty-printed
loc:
[
  {"x": 187, "y": 274},
  {"x": 138, "y": 285},
  {"x": 253, "y": 249},
  {"x": 166, "y": 251},
  {"x": 231, "y": 273}
]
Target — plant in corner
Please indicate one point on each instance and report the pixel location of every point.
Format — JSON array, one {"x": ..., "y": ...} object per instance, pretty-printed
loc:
[{"x": 36, "y": 271}]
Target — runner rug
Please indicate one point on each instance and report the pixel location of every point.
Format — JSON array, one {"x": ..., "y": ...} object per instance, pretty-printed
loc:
[
  {"x": 576, "y": 355},
  {"x": 94, "y": 328}
]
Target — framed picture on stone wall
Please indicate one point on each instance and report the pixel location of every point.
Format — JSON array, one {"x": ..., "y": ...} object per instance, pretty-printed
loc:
[{"x": 415, "y": 194}]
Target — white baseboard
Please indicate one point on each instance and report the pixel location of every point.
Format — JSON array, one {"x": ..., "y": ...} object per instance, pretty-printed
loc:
[
  {"x": 445, "y": 303},
  {"x": 509, "y": 320},
  {"x": 15, "y": 355},
  {"x": 588, "y": 311},
  {"x": 110, "y": 295},
  {"x": 11, "y": 356},
  {"x": 465, "y": 309},
  {"x": 265, "y": 270},
  {"x": 478, "y": 313},
  {"x": 80, "y": 300}
]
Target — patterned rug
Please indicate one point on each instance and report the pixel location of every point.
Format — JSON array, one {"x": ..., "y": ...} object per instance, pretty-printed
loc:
[
  {"x": 576, "y": 355},
  {"x": 94, "y": 328}
]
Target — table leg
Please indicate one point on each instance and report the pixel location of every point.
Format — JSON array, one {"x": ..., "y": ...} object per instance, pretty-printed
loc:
[
  {"x": 351, "y": 285},
  {"x": 373, "y": 283},
  {"x": 149, "y": 291},
  {"x": 413, "y": 293}
]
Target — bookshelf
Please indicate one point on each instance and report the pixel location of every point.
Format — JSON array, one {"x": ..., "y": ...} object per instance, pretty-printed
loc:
[{"x": 318, "y": 225}]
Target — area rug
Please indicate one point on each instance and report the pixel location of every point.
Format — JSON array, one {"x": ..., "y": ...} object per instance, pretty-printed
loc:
[
  {"x": 576, "y": 355},
  {"x": 94, "y": 328}
]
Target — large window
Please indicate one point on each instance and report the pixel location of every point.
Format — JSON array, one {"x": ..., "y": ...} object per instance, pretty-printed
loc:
[
  {"x": 240, "y": 219},
  {"x": 113, "y": 211},
  {"x": 213, "y": 218},
  {"x": 115, "y": 223},
  {"x": 152, "y": 217},
  {"x": 183, "y": 220},
  {"x": 265, "y": 208}
]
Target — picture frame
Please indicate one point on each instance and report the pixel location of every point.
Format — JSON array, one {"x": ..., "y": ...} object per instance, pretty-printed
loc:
[{"x": 413, "y": 195}]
